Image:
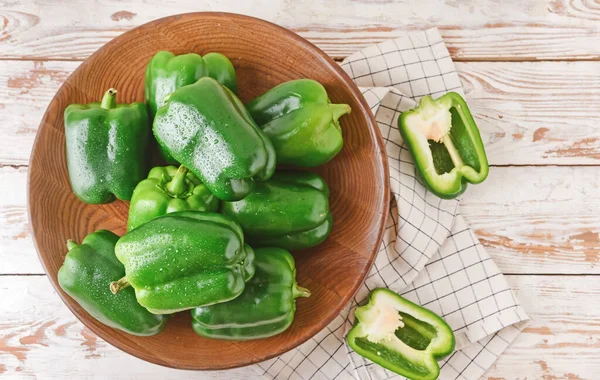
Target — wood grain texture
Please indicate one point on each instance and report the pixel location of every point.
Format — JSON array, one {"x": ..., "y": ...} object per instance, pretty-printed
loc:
[
  {"x": 528, "y": 112},
  {"x": 538, "y": 219},
  {"x": 17, "y": 253},
  {"x": 540, "y": 112},
  {"x": 531, "y": 220},
  {"x": 264, "y": 55},
  {"x": 483, "y": 30},
  {"x": 26, "y": 89},
  {"x": 40, "y": 336},
  {"x": 542, "y": 220},
  {"x": 563, "y": 339}
]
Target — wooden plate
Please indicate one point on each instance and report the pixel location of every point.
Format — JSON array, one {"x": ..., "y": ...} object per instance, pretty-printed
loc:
[{"x": 264, "y": 55}]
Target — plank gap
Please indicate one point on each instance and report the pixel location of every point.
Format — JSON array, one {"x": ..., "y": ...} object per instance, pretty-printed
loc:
[
  {"x": 542, "y": 165},
  {"x": 552, "y": 274},
  {"x": 14, "y": 166},
  {"x": 341, "y": 58},
  {"x": 488, "y": 59},
  {"x": 41, "y": 59},
  {"x": 525, "y": 59}
]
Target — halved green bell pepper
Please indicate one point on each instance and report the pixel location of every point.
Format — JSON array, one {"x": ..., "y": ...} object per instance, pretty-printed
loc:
[
  {"x": 168, "y": 189},
  {"x": 401, "y": 336},
  {"x": 183, "y": 260},
  {"x": 88, "y": 270},
  {"x": 290, "y": 210},
  {"x": 301, "y": 122},
  {"x": 167, "y": 72},
  {"x": 445, "y": 144},
  {"x": 207, "y": 128},
  {"x": 265, "y": 308},
  {"x": 106, "y": 147}
]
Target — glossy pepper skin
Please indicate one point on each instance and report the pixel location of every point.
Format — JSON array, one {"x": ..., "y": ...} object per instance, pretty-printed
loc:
[
  {"x": 207, "y": 128},
  {"x": 301, "y": 122},
  {"x": 106, "y": 145},
  {"x": 265, "y": 308},
  {"x": 445, "y": 144},
  {"x": 400, "y": 336},
  {"x": 88, "y": 270},
  {"x": 184, "y": 260},
  {"x": 167, "y": 72},
  {"x": 291, "y": 211},
  {"x": 166, "y": 190}
]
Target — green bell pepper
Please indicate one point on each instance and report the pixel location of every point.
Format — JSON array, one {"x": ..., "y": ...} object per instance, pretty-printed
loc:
[
  {"x": 265, "y": 308},
  {"x": 167, "y": 72},
  {"x": 183, "y": 260},
  {"x": 106, "y": 145},
  {"x": 168, "y": 189},
  {"x": 398, "y": 335},
  {"x": 207, "y": 128},
  {"x": 88, "y": 269},
  {"x": 445, "y": 144},
  {"x": 291, "y": 211},
  {"x": 301, "y": 122}
]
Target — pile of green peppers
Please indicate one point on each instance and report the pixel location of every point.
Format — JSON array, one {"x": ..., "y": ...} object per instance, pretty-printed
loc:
[{"x": 212, "y": 230}]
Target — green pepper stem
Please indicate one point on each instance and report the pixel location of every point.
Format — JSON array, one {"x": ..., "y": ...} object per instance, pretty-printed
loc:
[
  {"x": 298, "y": 291},
  {"x": 337, "y": 110},
  {"x": 177, "y": 185},
  {"x": 121, "y": 284},
  {"x": 454, "y": 155},
  {"x": 71, "y": 244},
  {"x": 109, "y": 101}
]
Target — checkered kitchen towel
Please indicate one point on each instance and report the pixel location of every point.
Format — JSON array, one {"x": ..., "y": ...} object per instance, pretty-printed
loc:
[{"x": 428, "y": 254}]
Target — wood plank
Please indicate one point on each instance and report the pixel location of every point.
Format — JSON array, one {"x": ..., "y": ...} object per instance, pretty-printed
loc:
[
  {"x": 529, "y": 113},
  {"x": 17, "y": 253},
  {"x": 531, "y": 220},
  {"x": 27, "y": 88},
  {"x": 536, "y": 112},
  {"x": 538, "y": 219},
  {"x": 40, "y": 335},
  {"x": 474, "y": 30},
  {"x": 563, "y": 339}
]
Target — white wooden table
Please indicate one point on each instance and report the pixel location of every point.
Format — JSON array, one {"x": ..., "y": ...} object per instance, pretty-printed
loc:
[{"x": 531, "y": 71}]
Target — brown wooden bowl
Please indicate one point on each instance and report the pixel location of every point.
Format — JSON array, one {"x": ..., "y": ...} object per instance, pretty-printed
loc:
[{"x": 264, "y": 55}]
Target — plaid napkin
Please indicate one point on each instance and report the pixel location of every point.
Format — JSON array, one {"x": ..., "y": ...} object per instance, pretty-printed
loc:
[{"x": 429, "y": 254}]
